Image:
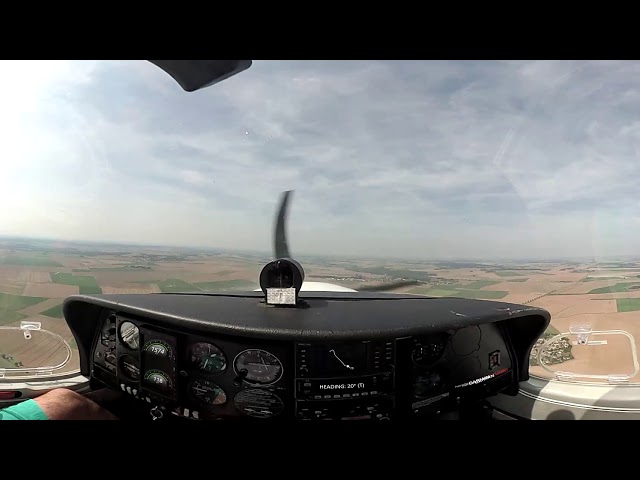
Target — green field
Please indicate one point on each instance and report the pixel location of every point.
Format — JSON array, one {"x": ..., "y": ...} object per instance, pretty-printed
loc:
[
  {"x": 124, "y": 268},
  {"x": 9, "y": 304},
  {"x": 174, "y": 285},
  {"x": 88, "y": 285},
  {"x": 481, "y": 294},
  {"x": 29, "y": 261},
  {"x": 478, "y": 284},
  {"x": 433, "y": 291},
  {"x": 7, "y": 317},
  {"x": 17, "y": 302},
  {"x": 595, "y": 279},
  {"x": 6, "y": 363},
  {"x": 628, "y": 304},
  {"x": 519, "y": 280},
  {"x": 551, "y": 331},
  {"x": 459, "y": 292},
  {"x": 507, "y": 273},
  {"x": 54, "y": 312},
  {"x": 393, "y": 272},
  {"x": 618, "y": 287},
  {"x": 226, "y": 285}
]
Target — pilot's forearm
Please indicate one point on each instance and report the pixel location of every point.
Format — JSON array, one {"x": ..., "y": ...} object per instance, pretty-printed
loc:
[{"x": 64, "y": 404}]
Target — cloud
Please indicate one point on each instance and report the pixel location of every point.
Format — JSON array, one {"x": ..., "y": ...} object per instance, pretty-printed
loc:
[{"x": 390, "y": 158}]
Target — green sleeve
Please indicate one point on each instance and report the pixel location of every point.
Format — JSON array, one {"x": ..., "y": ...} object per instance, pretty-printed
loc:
[{"x": 27, "y": 410}]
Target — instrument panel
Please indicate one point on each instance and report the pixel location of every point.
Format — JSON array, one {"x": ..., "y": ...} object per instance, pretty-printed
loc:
[
  {"x": 197, "y": 376},
  {"x": 191, "y": 375}
]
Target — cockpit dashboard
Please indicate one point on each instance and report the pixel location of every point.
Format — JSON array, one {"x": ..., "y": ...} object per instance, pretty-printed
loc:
[{"x": 343, "y": 356}]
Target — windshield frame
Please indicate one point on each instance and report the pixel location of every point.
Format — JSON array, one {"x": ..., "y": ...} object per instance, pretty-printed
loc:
[{"x": 540, "y": 399}]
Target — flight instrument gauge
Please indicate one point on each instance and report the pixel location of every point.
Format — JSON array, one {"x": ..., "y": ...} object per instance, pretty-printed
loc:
[
  {"x": 158, "y": 380},
  {"x": 129, "y": 367},
  {"x": 207, "y": 392},
  {"x": 208, "y": 358},
  {"x": 108, "y": 333},
  {"x": 428, "y": 350},
  {"x": 130, "y": 335},
  {"x": 258, "y": 367},
  {"x": 428, "y": 384},
  {"x": 158, "y": 348}
]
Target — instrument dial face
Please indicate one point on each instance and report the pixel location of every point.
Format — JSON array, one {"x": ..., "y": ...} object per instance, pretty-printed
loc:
[
  {"x": 208, "y": 358},
  {"x": 207, "y": 392},
  {"x": 428, "y": 384},
  {"x": 429, "y": 350},
  {"x": 158, "y": 348},
  {"x": 158, "y": 380},
  {"x": 130, "y": 335},
  {"x": 108, "y": 333},
  {"x": 129, "y": 367},
  {"x": 258, "y": 367}
]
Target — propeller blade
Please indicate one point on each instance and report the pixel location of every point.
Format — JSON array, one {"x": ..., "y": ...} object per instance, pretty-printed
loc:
[
  {"x": 387, "y": 286},
  {"x": 281, "y": 249}
]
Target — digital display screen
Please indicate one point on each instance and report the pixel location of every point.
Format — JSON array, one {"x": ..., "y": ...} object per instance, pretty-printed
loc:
[
  {"x": 335, "y": 386},
  {"x": 340, "y": 387},
  {"x": 158, "y": 362},
  {"x": 330, "y": 359}
]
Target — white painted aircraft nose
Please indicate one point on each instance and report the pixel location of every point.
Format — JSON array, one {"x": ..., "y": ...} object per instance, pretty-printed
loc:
[{"x": 320, "y": 287}]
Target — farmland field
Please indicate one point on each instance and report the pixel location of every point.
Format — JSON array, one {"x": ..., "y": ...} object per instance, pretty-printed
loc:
[{"x": 35, "y": 280}]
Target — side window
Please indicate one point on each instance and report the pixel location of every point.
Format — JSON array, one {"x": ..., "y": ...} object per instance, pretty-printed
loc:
[
  {"x": 594, "y": 306},
  {"x": 593, "y": 333},
  {"x": 30, "y": 352}
]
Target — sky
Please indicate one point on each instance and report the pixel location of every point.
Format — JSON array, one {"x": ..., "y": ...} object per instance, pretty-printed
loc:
[{"x": 414, "y": 159}]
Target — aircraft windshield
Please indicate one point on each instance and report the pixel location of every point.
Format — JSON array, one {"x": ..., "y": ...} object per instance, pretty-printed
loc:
[{"x": 510, "y": 181}]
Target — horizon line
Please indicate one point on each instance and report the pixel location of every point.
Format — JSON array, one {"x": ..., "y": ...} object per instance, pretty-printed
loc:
[{"x": 211, "y": 249}]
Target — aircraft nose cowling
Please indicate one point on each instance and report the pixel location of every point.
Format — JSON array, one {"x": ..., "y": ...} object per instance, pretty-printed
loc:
[{"x": 320, "y": 287}]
